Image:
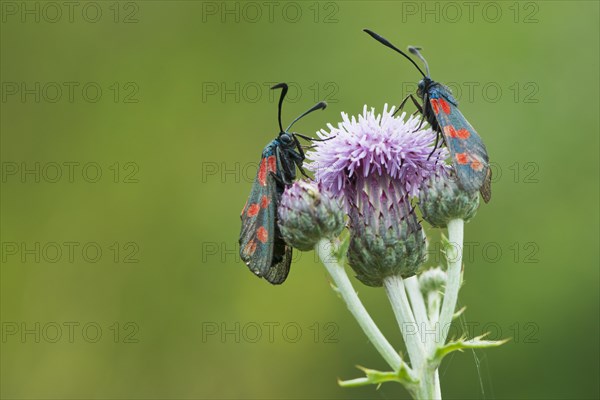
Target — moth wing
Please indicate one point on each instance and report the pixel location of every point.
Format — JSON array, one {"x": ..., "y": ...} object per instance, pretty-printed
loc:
[
  {"x": 467, "y": 150},
  {"x": 261, "y": 246},
  {"x": 281, "y": 261}
]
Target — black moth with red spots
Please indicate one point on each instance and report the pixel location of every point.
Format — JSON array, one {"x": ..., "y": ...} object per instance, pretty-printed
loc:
[
  {"x": 440, "y": 110},
  {"x": 261, "y": 246}
]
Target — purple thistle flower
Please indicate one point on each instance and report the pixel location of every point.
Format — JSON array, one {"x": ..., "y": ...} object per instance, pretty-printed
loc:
[
  {"x": 376, "y": 144},
  {"x": 377, "y": 162}
]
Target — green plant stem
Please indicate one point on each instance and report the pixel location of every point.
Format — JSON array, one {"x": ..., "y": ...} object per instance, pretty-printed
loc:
[
  {"x": 344, "y": 287},
  {"x": 437, "y": 389},
  {"x": 394, "y": 287},
  {"x": 455, "y": 237},
  {"x": 417, "y": 302},
  {"x": 433, "y": 309}
]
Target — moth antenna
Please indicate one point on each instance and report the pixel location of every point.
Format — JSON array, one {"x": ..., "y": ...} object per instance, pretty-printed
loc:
[
  {"x": 416, "y": 52},
  {"x": 386, "y": 42},
  {"x": 284, "y": 90},
  {"x": 319, "y": 106}
]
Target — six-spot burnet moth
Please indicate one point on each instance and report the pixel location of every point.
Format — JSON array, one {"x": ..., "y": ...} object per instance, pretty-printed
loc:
[
  {"x": 261, "y": 246},
  {"x": 440, "y": 110}
]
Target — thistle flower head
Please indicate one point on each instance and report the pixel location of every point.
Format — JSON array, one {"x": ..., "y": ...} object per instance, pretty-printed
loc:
[
  {"x": 377, "y": 162},
  {"x": 376, "y": 144},
  {"x": 307, "y": 214},
  {"x": 442, "y": 199}
]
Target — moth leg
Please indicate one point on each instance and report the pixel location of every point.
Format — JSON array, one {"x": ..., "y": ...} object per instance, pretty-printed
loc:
[
  {"x": 402, "y": 103},
  {"x": 298, "y": 158},
  {"x": 302, "y": 171},
  {"x": 298, "y": 145},
  {"x": 277, "y": 179},
  {"x": 422, "y": 113},
  {"x": 437, "y": 137},
  {"x": 284, "y": 167},
  {"x": 420, "y": 124},
  {"x": 415, "y": 102}
]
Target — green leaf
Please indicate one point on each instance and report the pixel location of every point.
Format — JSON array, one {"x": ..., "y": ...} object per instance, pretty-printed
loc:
[
  {"x": 445, "y": 241},
  {"x": 462, "y": 344},
  {"x": 449, "y": 250},
  {"x": 403, "y": 376},
  {"x": 335, "y": 289},
  {"x": 459, "y": 313},
  {"x": 341, "y": 245}
]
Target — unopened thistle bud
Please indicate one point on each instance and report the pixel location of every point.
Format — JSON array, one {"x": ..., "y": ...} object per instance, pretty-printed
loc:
[
  {"x": 442, "y": 199},
  {"x": 432, "y": 280},
  {"x": 308, "y": 214}
]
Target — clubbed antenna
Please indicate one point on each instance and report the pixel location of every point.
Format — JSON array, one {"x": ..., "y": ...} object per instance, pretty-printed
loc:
[
  {"x": 319, "y": 106},
  {"x": 415, "y": 51},
  {"x": 284, "y": 91},
  {"x": 386, "y": 42}
]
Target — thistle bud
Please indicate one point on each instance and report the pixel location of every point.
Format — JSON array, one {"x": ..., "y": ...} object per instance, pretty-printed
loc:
[
  {"x": 385, "y": 236},
  {"x": 432, "y": 280},
  {"x": 308, "y": 214},
  {"x": 442, "y": 199}
]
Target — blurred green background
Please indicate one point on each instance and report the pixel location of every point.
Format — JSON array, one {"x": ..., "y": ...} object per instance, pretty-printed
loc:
[{"x": 169, "y": 102}]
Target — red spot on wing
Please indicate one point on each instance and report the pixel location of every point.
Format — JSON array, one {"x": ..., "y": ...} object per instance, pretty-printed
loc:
[
  {"x": 445, "y": 106},
  {"x": 462, "y": 158},
  {"x": 250, "y": 248},
  {"x": 434, "y": 104},
  {"x": 262, "y": 173},
  {"x": 264, "y": 201},
  {"x": 262, "y": 234},
  {"x": 450, "y": 131},
  {"x": 267, "y": 165},
  {"x": 463, "y": 133},
  {"x": 271, "y": 164},
  {"x": 477, "y": 165},
  {"x": 253, "y": 210}
]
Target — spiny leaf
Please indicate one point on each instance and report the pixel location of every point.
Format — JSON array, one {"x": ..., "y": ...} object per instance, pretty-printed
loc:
[
  {"x": 403, "y": 376},
  {"x": 463, "y": 343},
  {"x": 335, "y": 289},
  {"x": 459, "y": 313}
]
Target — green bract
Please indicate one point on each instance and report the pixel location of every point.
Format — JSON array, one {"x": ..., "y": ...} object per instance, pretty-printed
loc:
[
  {"x": 442, "y": 200},
  {"x": 308, "y": 214}
]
